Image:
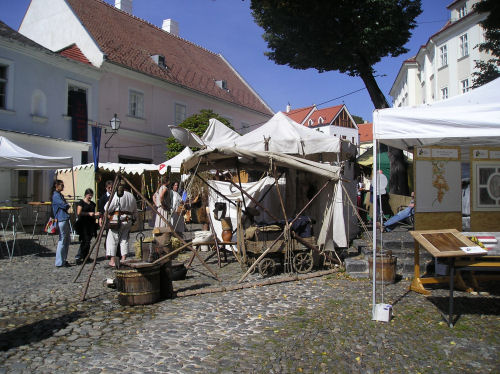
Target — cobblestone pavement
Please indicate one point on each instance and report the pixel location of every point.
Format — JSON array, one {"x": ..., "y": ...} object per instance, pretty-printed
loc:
[{"x": 311, "y": 326}]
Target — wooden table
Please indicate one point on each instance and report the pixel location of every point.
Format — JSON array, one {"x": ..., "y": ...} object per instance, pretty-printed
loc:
[{"x": 441, "y": 244}]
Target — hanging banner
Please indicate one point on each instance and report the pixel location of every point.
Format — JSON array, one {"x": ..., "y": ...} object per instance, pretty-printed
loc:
[{"x": 96, "y": 142}]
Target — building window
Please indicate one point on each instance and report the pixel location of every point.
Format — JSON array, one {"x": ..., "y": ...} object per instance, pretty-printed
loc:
[
  {"x": 320, "y": 120},
  {"x": 465, "y": 85},
  {"x": 464, "y": 46},
  {"x": 443, "y": 56},
  {"x": 136, "y": 104},
  {"x": 444, "y": 93},
  {"x": 310, "y": 122},
  {"x": 78, "y": 111},
  {"x": 3, "y": 86},
  {"x": 462, "y": 12},
  {"x": 180, "y": 113}
]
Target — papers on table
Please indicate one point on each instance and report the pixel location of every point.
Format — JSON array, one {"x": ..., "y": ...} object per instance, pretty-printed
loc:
[{"x": 474, "y": 250}]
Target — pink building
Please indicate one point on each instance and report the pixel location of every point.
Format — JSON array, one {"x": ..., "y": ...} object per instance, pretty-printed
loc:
[{"x": 151, "y": 77}]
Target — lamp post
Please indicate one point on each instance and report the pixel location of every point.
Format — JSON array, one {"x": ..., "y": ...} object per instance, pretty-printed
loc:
[{"x": 115, "y": 126}]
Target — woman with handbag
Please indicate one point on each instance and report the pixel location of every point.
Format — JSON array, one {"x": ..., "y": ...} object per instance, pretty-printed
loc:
[
  {"x": 85, "y": 224},
  {"x": 60, "y": 210},
  {"x": 177, "y": 217}
]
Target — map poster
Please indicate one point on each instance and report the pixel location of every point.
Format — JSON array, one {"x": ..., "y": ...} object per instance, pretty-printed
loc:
[{"x": 438, "y": 186}]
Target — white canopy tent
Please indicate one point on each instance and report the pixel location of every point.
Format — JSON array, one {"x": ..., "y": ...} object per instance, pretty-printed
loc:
[
  {"x": 219, "y": 135},
  {"x": 175, "y": 162},
  {"x": 14, "y": 157},
  {"x": 466, "y": 120},
  {"x": 284, "y": 135}
]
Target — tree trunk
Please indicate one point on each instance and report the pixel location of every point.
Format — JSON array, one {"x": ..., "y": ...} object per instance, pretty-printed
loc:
[{"x": 398, "y": 182}]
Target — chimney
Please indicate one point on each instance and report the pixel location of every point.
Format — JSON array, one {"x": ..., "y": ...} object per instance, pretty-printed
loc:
[
  {"x": 288, "y": 108},
  {"x": 125, "y": 5},
  {"x": 170, "y": 26}
]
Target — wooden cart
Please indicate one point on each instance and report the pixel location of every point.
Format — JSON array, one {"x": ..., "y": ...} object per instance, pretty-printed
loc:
[{"x": 304, "y": 258}]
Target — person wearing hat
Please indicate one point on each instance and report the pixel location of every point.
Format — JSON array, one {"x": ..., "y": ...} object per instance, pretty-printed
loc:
[{"x": 122, "y": 212}]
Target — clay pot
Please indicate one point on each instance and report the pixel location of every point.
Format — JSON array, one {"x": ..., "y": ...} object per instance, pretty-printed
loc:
[{"x": 227, "y": 235}]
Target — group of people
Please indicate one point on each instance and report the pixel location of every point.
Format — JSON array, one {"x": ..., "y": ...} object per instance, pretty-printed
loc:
[{"x": 122, "y": 212}]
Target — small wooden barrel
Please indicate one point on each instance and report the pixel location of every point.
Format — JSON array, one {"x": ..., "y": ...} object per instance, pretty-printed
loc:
[
  {"x": 138, "y": 286},
  {"x": 385, "y": 268}
]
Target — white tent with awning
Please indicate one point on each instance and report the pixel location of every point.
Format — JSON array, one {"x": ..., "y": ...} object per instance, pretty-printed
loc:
[
  {"x": 14, "y": 157},
  {"x": 175, "y": 162},
  {"x": 471, "y": 119},
  {"x": 284, "y": 135}
]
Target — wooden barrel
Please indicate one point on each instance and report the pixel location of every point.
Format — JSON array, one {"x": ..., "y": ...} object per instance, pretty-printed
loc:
[
  {"x": 138, "y": 286},
  {"x": 385, "y": 268}
]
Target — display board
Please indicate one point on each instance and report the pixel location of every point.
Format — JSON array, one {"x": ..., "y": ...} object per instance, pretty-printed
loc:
[
  {"x": 438, "y": 179},
  {"x": 485, "y": 167}
]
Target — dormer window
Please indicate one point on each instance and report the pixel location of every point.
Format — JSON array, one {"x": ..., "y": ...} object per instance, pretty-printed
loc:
[
  {"x": 160, "y": 61},
  {"x": 320, "y": 120},
  {"x": 310, "y": 122},
  {"x": 222, "y": 84},
  {"x": 462, "y": 11}
]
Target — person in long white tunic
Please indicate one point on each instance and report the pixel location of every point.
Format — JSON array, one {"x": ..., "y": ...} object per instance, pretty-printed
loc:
[
  {"x": 122, "y": 211},
  {"x": 177, "y": 219},
  {"x": 157, "y": 201}
]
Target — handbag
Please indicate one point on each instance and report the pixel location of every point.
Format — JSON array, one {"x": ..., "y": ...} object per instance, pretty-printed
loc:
[
  {"x": 78, "y": 226},
  {"x": 51, "y": 226},
  {"x": 166, "y": 201}
]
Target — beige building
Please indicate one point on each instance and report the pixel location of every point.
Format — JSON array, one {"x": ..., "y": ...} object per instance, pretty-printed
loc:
[{"x": 443, "y": 67}]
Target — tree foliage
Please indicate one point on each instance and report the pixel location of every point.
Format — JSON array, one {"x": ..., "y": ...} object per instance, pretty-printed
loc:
[
  {"x": 358, "y": 119},
  {"x": 344, "y": 35},
  {"x": 197, "y": 123},
  {"x": 490, "y": 69},
  {"x": 341, "y": 35}
]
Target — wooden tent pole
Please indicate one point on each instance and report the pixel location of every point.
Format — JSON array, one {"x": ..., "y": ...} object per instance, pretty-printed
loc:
[{"x": 97, "y": 243}]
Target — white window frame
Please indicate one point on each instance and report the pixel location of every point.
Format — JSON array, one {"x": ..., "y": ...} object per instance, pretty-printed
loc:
[
  {"x": 84, "y": 86},
  {"x": 465, "y": 85},
  {"x": 9, "y": 86},
  {"x": 321, "y": 121},
  {"x": 310, "y": 122},
  {"x": 444, "y": 93},
  {"x": 464, "y": 45},
  {"x": 178, "y": 116},
  {"x": 443, "y": 56},
  {"x": 135, "y": 106}
]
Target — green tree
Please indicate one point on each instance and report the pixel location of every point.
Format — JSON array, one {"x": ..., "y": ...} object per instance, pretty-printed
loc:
[
  {"x": 344, "y": 35},
  {"x": 197, "y": 123},
  {"x": 358, "y": 119},
  {"x": 490, "y": 69}
]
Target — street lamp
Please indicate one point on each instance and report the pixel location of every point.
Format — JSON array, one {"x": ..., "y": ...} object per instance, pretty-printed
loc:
[{"x": 115, "y": 126}]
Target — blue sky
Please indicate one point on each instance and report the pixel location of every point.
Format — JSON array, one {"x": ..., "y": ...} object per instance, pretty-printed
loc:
[{"x": 227, "y": 27}]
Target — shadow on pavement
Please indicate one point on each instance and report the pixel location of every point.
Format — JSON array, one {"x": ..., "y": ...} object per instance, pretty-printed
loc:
[{"x": 37, "y": 331}]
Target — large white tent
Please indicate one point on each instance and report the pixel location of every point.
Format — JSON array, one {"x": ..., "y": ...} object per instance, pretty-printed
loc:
[
  {"x": 219, "y": 135},
  {"x": 284, "y": 135},
  {"x": 14, "y": 157}
]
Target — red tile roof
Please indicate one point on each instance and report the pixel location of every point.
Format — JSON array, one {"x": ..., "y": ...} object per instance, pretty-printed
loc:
[
  {"x": 300, "y": 114},
  {"x": 365, "y": 131},
  {"x": 130, "y": 41},
  {"x": 74, "y": 53},
  {"x": 328, "y": 115}
]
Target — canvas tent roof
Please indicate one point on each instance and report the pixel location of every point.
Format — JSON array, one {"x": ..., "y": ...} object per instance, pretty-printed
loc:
[
  {"x": 287, "y": 136},
  {"x": 227, "y": 158},
  {"x": 219, "y": 135},
  {"x": 466, "y": 120},
  {"x": 175, "y": 162},
  {"x": 14, "y": 157},
  {"x": 111, "y": 166}
]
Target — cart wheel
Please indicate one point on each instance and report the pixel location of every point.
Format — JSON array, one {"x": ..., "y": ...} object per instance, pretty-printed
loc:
[
  {"x": 303, "y": 262},
  {"x": 267, "y": 267}
]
